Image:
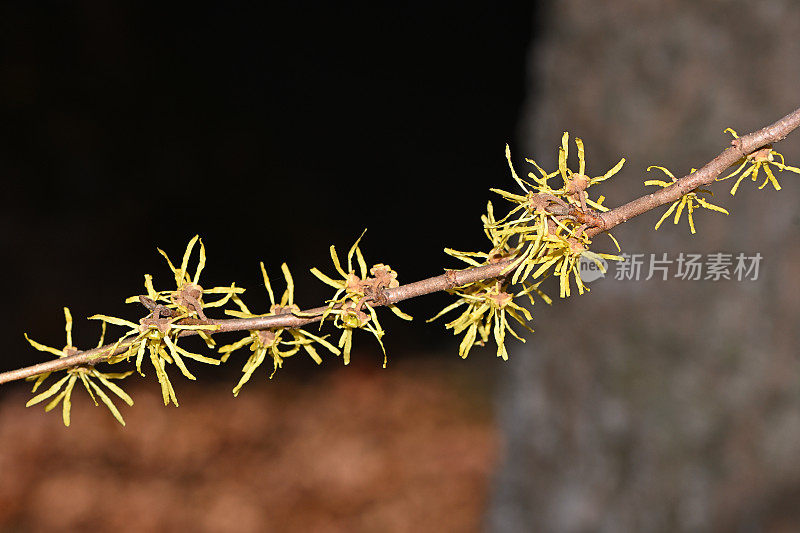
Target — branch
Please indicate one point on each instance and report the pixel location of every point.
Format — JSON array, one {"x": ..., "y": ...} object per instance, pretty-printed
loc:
[
  {"x": 449, "y": 280},
  {"x": 706, "y": 175},
  {"x": 740, "y": 148}
]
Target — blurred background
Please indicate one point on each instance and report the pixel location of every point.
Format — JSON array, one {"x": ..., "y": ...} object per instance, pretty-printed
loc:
[{"x": 274, "y": 132}]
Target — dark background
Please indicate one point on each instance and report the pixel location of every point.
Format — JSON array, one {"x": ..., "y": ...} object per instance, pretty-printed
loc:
[{"x": 271, "y": 132}]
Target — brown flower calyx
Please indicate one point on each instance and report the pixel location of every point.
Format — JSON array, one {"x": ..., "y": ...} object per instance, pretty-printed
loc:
[
  {"x": 373, "y": 288},
  {"x": 500, "y": 299},
  {"x": 354, "y": 284},
  {"x": 579, "y": 197},
  {"x": 266, "y": 337},
  {"x": 69, "y": 350},
  {"x": 156, "y": 308},
  {"x": 762, "y": 155},
  {"x": 577, "y": 184},
  {"x": 547, "y": 203},
  {"x": 159, "y": 318},
  {"x": 277, "y": 309},
  {"x": 385, "y": 277},
  {"x": 162, "y": 324},
  {"x": 188, "y": 297},
  {"x": 576, "y": 246}
]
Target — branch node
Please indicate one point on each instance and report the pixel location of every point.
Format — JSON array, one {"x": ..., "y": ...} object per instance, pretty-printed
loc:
[
  {"x": 737, "y": 145},
  {"x": 452, "y": 282},
  {"x": 379, "y": 296}
]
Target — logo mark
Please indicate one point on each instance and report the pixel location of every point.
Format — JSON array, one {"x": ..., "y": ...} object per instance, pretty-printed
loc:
[{"x": 589, "y": 270}]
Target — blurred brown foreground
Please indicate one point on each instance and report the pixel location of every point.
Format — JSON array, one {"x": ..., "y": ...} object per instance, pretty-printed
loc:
[{"x": 409, "y": 448}]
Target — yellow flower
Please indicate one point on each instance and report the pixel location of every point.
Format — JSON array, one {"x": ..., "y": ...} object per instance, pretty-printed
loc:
[
  {"x": 539, "y": 202},
  {"x": 158, "y": 332},
  {"x": 269, "y": 341},
  {"x": 487, "y": 312},
  {"x": 354, "y": 294},
  {"x": 561, "y": 256},
  {"x": 188, "y": 296},
  {"x": 539, "y": 184},
  {"x": 576, "y": 183},
  {"x": 545, "y": 234},
  {"x": 761, "y": 158},
  {"x": 158, "y": 335},
  {"x": 88, "y": 375},
  {"x": 689, "y": 201}
]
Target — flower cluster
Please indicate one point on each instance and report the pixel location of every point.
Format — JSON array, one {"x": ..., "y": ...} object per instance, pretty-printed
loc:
[
  {"x": 182, "y": 310},
  {"x": 279, "y": 343},
  {"x": 762, "y": 158},
  {"x": 488, "y": 308},
  {"x": 689, "y": 201},
  {"x": 171, "y": 313},
  {"x": 352, "y": 306},
  {"x": 576, "y": 183},
  {"x": 187, "y": 298},
  {"x": 543, "y": 234},
  {"x": 87, "y": 374},
  {"x": 547, "y": 232}
]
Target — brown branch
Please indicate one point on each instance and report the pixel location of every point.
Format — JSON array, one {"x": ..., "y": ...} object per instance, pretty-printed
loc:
[
  {"x": 454, "y": 278},
  {"x": 740, "y": 147},
  {"x": 449, "y": 280}
]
